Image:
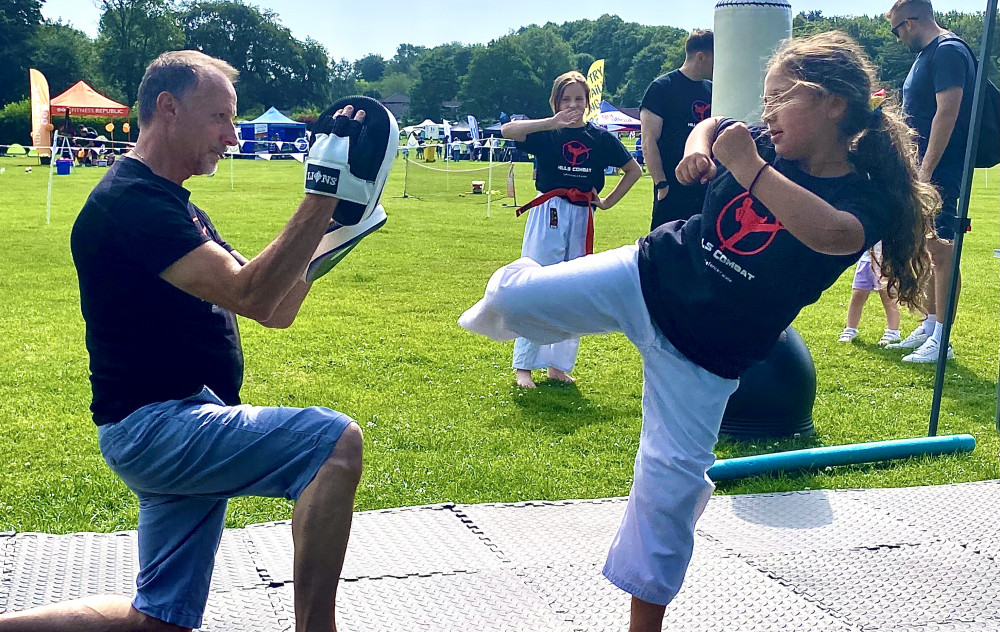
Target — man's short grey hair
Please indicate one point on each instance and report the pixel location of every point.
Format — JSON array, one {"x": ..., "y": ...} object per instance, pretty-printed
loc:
[
  {"x": 176, "y": 72},
  {"x": 919, "y": 8}
]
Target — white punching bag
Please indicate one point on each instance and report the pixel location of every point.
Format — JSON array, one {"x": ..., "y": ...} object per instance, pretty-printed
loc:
[{"x": 746, "y": 34}]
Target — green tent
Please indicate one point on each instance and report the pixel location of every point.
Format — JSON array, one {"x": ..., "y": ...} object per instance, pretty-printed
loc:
[{"x": 16, "y": 150}]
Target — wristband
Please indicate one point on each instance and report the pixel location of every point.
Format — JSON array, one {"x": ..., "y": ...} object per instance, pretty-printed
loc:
[
  {"x": 662, "y": 184},
  {"x": 757, "y": 177}
]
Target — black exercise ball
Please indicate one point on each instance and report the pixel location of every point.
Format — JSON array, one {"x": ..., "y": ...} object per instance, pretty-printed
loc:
[{"x": 775, "y": 397}]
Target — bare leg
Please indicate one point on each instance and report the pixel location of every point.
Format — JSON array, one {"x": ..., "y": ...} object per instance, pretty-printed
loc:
[
  {"x": 931, "y": 305},
  {"x": 524, "y": 379},
  {"x": 321, "y": 524},
  {"x": 646, "y": 617},
  {"x": 102, "y": 613},
  {"x": 937, "y": 293},
  {"x": 891, "y": 308},
  {"x": 855, "y": 307},
  {"x": 560, "y": 375}
]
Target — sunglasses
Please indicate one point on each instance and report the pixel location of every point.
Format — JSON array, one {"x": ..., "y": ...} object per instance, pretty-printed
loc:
[{"x": 895, "y": 30}]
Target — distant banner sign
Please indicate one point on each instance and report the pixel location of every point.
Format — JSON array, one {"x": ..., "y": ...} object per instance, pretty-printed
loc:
[
  {"x": 474, "y": 130},
  {"x": 595, "y": 84},
  {"x": 40, "y": 127},
  {"x": 260, "y": 130}
]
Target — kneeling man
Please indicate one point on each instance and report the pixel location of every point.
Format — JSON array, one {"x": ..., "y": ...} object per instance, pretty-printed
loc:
[{"x": 160, "y": 291}]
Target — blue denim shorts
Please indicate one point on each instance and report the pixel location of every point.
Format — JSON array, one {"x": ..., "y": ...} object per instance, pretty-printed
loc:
[{"x": 184, "y": 459}]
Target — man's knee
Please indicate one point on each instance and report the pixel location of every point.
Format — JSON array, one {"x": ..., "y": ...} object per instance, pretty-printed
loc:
[{"x": 345, "y": 462}]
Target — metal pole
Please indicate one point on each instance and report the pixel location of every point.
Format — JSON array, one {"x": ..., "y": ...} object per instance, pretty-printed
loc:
[
  {"x": 52, "y": 165},
  {"x": 963, "y": 213}
]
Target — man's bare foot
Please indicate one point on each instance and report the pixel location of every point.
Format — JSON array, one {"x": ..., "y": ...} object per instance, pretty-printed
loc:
[
  {"x": 562, "y": 376},
  {"x": 524, "y": 379}
]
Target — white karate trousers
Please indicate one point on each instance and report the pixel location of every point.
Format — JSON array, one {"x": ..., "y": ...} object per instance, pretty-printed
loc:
[
  {"x": 555, "y": 231},
  {"x": 682, "y": 403}
]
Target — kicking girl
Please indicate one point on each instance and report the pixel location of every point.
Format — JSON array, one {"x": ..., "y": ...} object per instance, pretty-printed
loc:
[
  {"x": 789, "y": 207},
  {"x": 571, "y": 157}
]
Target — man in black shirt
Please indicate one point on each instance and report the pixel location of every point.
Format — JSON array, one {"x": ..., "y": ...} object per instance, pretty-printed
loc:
[
  {"x": 673, "y": 104},
  {"x": 160, "y": 291}
]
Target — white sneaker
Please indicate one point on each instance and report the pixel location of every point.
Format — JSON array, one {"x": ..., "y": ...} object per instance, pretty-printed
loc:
[
  {"x": 848, "y": 335},
  {"x": 916, "y": 338},
  {"x": 889, "y": 337},
  {"x": 928, "y": 352}
]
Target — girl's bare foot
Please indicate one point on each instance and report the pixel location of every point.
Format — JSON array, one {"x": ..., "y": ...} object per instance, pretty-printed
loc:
[
  {"x": 562, "y": 376},
  {"x": 524, "y": 379}
]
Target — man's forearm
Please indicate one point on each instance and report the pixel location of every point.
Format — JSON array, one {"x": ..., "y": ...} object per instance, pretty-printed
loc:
[
  {"x": 941, "y": 128},
  {"x": 269, "y": 277},
  {"x": 654, "y": 162},
  {"x": 949, "y": 104},
  {"x": 284, "y": 315}
]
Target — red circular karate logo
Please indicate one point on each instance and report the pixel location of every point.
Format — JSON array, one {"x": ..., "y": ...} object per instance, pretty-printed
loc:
[
  {"x": 742, "y": 230},
  {"x": 575, "y": 153}
]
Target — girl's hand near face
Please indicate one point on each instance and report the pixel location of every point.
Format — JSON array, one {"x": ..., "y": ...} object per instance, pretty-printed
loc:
[{"x": 567, "y": 118}]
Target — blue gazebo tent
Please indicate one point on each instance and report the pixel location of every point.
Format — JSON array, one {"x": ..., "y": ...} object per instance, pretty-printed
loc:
[{"x": 266, "y": 127}]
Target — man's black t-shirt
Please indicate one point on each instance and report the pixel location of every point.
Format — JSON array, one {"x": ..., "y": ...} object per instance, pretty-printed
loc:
[
  {"x": 723, "y": 285},
  {"x": 942, "y": 64},
  {"x": 148, "y": 341},
  {"x": 574, "y": 157},
  {"x": 682, "y": 103}
]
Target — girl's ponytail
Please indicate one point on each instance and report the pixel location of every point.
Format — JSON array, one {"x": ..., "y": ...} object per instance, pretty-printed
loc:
[{"x": 887, "y": 153}]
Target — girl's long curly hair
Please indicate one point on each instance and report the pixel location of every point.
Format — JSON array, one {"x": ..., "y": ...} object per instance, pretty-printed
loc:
[{"x": 882, "y": 147}]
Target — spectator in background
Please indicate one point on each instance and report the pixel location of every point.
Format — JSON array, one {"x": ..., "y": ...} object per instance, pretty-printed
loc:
[
  {"x": 937, "y": 102},
  {"x": 673, "y": 104}
]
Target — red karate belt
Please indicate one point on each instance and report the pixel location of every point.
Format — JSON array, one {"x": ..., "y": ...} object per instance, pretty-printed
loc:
[{"x": 576, "y": 196}]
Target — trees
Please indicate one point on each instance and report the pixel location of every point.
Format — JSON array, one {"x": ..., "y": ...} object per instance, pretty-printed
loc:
[
  {"x": 131, "y": 34},
  {"x": 275, "y": 68},
  {"x": 18, "y": 21},
  {"x": 438, "y": 82},
  {"x": 370, "y": 67},
  {"x": 658, "y": 57},
  {"x": 406, "y": 56},
  {"x": 548, "y": 54},
  {"x": 343, "y": 82},
  {"x": 500, "y": 77},
  {"x": 64, "y": 55}
]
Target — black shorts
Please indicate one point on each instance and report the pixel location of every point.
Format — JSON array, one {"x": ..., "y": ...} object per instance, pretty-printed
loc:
[{"x": 946, "y": 221}]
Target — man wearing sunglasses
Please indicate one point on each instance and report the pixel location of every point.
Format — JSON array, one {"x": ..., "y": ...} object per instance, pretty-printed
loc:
[{"x": 937, "y": 101}]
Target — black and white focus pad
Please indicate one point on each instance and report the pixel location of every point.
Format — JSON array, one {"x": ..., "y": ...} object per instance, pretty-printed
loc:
[{"x": 351, "y": 160}]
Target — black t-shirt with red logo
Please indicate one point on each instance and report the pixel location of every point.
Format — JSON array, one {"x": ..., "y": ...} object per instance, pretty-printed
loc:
[
  {"x": 723, "y": 285},
  {"x": 148, "y": 341},
  {"x": 682, "y": 103},
  {"x": 574, "y": 157}
]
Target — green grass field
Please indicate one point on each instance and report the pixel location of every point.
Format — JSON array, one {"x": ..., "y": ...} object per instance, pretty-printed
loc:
[{"x": 378, "y": 340}]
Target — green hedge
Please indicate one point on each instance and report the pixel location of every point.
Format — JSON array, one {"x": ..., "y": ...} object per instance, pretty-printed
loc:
[{"x": 15, "y": 124}]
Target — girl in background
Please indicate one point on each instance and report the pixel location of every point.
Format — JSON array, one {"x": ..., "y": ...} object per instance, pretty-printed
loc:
[{"x": 570, "y": 158}]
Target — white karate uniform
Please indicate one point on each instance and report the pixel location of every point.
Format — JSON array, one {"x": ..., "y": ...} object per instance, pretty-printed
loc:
[{"x": 549, "y": 240}]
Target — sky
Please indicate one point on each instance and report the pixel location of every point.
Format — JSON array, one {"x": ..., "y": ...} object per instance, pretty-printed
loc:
[{"x": 381, "y": 25}]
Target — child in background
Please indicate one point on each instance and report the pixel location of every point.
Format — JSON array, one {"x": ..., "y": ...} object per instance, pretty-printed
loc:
[
  {"x": 570, "y": 161},
  {"x": 868, "y": 279}
]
